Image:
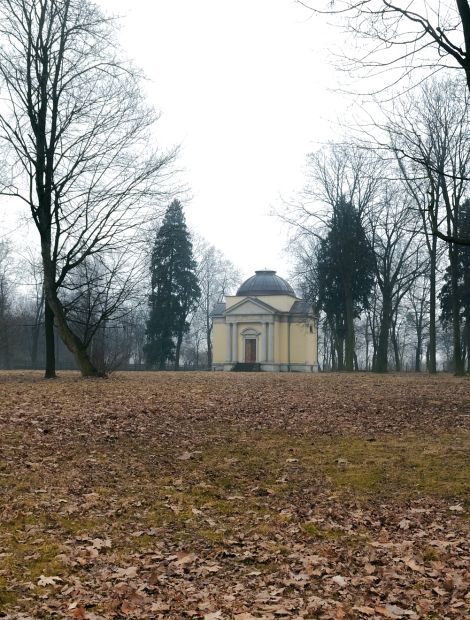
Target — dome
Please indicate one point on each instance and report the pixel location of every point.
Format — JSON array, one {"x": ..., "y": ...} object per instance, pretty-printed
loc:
[{"x": 265, "y": 283}]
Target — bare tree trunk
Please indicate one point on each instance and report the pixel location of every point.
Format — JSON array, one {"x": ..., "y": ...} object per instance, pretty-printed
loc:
[
  {"x": 459, "y": 369},
  {"x": 432, "y": 368},
  {"x": 385, "y": 324},
  {"x": 396, "y": 348},
  {"x": 419, "y": 351},
  {"x": 350, "y": 339},
  {"x": 71, "y": 341},
  {"x": 50, "y": 344},
  {"x": 209, "y": 341}
]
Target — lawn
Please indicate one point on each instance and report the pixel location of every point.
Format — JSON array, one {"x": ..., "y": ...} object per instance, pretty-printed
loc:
[{"x": 234, "y": 496}]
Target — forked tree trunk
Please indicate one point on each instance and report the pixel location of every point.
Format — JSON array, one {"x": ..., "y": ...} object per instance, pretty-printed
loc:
[
  {"x": 385, "y": 324},
  {"x": 71, "y": 340}
]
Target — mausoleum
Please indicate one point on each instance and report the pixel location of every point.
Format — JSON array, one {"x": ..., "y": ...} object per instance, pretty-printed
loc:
[{"x": 265, "y": 326}]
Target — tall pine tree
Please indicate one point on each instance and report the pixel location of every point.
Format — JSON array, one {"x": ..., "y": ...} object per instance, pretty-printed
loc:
[
  {"x": 175, "y": 289},
  {"x": 345, "y": 277},
  {"x": 455, "y": 294}
]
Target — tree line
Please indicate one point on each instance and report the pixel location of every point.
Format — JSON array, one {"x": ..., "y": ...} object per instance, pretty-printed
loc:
[
  {"x": 80, "y": 153},
  {"x": 380, "y": 236},
  {"x": 153, "y": 315}
]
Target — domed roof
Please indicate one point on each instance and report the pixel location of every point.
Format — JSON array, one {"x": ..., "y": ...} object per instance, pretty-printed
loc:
[{"x": 265, "y": 283}]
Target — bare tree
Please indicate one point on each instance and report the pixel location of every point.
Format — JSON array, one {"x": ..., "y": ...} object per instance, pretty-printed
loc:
[
  {"x": 33, "y": 279},
  {"x": 396, "y": 39},
  {"x": 402, "y": 37},
  {"x": 6, "y": 286},
  {"x": 216, "y": 276},
  {"x": 419, "y": 317},
  {"x": 430, "y": 137},
  {"x": 394, "y": 239},
  {"x": 79, "y": 138},
  {"x": 98, "y": 298}
]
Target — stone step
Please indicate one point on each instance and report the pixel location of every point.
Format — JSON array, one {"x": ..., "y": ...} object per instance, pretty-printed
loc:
[{"x": 246, "y": 367}]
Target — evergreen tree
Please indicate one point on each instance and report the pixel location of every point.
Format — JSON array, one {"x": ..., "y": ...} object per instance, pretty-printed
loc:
[
  {"x": 345, "y": 277},
  {"x": 175, "y": 289},
  {"x": 461, "y": 296}
]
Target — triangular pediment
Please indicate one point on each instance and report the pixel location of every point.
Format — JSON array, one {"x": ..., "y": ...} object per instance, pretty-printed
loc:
[{"x": 251, "y": 305}]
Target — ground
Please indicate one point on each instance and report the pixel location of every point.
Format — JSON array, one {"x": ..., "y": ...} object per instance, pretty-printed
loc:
[{"x": 234, "y": 496}]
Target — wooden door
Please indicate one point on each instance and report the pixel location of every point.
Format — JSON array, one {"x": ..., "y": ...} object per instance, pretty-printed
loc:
[{"x": 250, "y": 350}]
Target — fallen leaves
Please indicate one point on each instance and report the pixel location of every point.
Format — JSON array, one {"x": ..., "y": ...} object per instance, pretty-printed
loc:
[
  {"x": 44, "y": 581},
  {"x": 222, "y": 497}
]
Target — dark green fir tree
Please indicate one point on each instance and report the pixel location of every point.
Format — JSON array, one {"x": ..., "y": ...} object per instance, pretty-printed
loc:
[
  {"x": 345, "y": 277},
  {"x": 455, "y": 294},
  {"x": 175, "y": 289}
]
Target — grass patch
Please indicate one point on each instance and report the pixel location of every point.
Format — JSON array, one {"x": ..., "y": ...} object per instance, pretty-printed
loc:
[
  {"x": 437, "y": 466},
  {"x": 318, "y": 533}
]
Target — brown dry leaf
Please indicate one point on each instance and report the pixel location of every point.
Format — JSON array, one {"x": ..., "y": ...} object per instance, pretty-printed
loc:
[
  {"x": 101, "y": 543},
  {"x": 414, "y": 565},
  {"x": 126, "y": 573},
  {"x": 185, "y": 456},
  {"x": 216, "y": 615},
  {"x": 339, "y": 580},
  {"x": 363, "y": 609},
  {"x": 160, "y": 606},
  {"x": 183, "y": 557},
  {"x": 44, "y": 581}
]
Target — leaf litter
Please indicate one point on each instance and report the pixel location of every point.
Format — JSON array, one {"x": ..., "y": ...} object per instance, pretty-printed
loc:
[{"x": 234, "y": 496}]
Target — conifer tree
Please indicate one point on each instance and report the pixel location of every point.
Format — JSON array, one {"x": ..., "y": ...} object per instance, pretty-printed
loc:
[
  {"x": 455, "y": 294},
  {"x": 345, "y": 276},
  {"x": 175, "y": 289}
]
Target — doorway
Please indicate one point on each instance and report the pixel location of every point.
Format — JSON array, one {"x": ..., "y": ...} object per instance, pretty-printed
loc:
[{"x": 250, "y": 350}]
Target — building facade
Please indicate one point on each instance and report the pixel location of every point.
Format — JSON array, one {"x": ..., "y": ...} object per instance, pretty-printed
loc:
[{"x": 265, "y": 326}]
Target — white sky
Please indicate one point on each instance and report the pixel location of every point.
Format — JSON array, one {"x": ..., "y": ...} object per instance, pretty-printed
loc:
[
  {"x": 246, "y": 88},
  {"x": 243, "y": 87}
]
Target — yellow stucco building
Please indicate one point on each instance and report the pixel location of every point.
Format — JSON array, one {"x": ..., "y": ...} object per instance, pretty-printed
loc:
[{"x": 265, "y": 326}]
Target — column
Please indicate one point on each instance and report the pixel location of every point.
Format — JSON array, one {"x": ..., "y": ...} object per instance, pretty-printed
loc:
[
  {"x": 235, "y": 343},
  {"x": 271, "y": 343},
  {"x": 229, "y": 328},
  {"x": 262, "y": 344},
  {"x": 266, "y": 341}
]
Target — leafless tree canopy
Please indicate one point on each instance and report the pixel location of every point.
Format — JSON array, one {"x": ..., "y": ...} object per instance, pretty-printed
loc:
[
  {"x": 79, "y": 136},
  {"x": 400, "y": 38}
]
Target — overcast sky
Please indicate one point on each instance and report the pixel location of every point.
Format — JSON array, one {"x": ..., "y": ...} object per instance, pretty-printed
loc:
[{"x": 243, "y": 87}]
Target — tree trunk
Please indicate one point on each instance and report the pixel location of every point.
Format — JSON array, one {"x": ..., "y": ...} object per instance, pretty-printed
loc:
[
  {"x": 459, "y": 368},
  {"x": 385, "y": 324},
  {"x": 396, "y": 349},
  {"x": 367, "y": 343},
  {"x": 179, "y": 340},
  {"x": 71, "y": 341},
  {"x": 350, "y": 340},
  {"x": 209, "y": 343},
  {"x": 49, "y": 342},
  {"x": 432, "y": 367},
  {"x": 419, "y": 349},
  {"x": 339, "y": 352}
]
